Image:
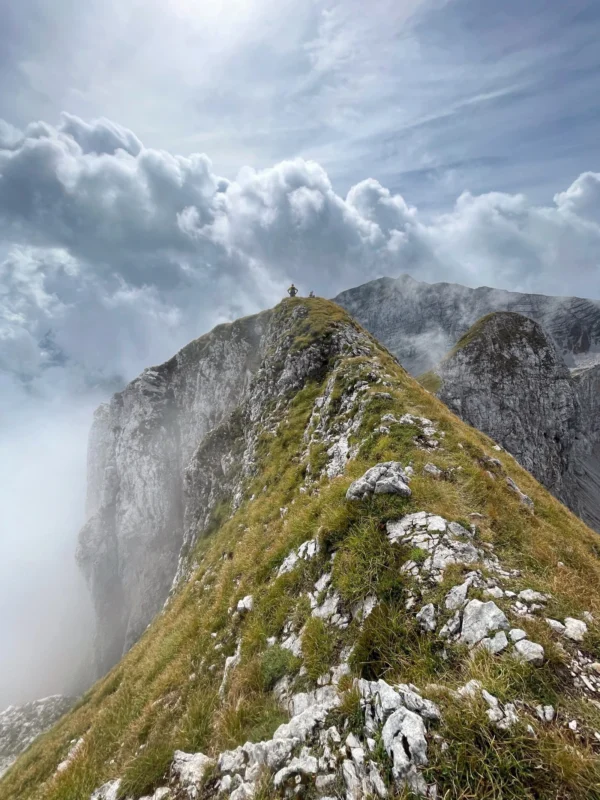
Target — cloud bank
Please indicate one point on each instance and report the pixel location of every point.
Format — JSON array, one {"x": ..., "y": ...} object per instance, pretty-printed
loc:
[
  {"x": 114, "y": 254},
  {"x": 46, "y": 620}
]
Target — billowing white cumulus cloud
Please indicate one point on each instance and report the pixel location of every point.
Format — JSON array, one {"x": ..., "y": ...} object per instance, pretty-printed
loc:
[
  {"x": 112, "y": 255},
  {"x": 582, "y": 198},
  {"x": 115, "y": 254}
]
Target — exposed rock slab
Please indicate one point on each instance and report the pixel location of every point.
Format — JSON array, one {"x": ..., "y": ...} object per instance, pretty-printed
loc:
[
  {"x": 481, "y": 619},
  {"x": 175, "y": 442},
  {"x": 20, "y": 725},
  {"x": 385, "y": 478}
]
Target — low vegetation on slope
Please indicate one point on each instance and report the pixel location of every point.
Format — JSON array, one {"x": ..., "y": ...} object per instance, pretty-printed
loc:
[{"x": 170, "y": 693}]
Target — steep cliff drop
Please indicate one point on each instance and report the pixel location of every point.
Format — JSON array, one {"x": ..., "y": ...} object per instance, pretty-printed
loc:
[
  {"x": 506, "y": 377},
  {"x": 141, "y": 449},
  {"x": 370, "y": 599},
  {"x": 586, "y": 453}
]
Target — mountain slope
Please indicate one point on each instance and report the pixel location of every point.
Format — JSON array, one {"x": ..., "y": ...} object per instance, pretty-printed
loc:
[
  {"x": 21, "y": 725},
  {"x": 420, "y": 322},
  {"x": 141, "y": 445},
  {"x": 506, "y": 377},
  {"x": 365, "y": 631}
]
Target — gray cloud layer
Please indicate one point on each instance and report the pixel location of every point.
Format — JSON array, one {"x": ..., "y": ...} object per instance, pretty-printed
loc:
[{"x": 124, "y": 252}]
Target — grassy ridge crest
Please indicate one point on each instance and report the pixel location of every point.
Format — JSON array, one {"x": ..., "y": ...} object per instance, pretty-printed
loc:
[{"x": 164, "y": 694}]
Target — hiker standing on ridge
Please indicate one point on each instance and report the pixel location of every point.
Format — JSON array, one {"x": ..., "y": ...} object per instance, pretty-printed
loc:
[{"x": 292, "y": 291}]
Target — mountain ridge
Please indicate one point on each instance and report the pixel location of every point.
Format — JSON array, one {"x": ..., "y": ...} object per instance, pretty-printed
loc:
[
  {"x": 155, "y": 476},
  {"x": 368, "y": 618},
  {"x": 419, "y": 322}
]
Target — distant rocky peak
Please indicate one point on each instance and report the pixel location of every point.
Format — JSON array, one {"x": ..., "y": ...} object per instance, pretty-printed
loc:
[
  {"x": 419, "y": 322},
  {"x": 507, "y": 378},
  {"x": 509, "y": 342}
]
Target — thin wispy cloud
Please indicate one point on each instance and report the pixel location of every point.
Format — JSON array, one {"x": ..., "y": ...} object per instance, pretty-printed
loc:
[{"x": 411, "y": 85}]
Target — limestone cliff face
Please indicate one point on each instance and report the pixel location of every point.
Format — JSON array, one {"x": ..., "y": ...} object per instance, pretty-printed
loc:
[
  {"x": 507, "y": 378},
  {"x": 171, "y": 446},
  {"x": 586, "y": 452},
  {"x": 140, "y": 445},
  {"x": 419, "y": 322}
]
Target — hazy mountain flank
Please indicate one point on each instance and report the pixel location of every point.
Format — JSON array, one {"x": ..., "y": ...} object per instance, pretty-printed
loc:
[
  {"x": 365, "y": 597},
  {"x": 506, "y": 377},
  {"x": 420, "y": 322}
]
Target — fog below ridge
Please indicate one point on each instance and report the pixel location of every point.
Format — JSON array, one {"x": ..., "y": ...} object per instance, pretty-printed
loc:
[{"x": 46, "y": 620}]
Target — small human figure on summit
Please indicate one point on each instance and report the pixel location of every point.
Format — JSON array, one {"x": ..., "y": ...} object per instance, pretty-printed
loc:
[
  {"x": 312, "y": 294},
  {"x": 292, "y": 291}
]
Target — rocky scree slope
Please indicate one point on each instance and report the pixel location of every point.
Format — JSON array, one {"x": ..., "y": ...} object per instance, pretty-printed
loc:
[
  {"x": 506, "y": 377},
  {"x": 389, "y": 606},
  {"x": 420, "y": 322},
  {"x": 21, "y": 725}
]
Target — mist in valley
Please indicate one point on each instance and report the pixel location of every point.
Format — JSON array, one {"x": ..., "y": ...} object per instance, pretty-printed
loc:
[{"x": 46, "y": 619}]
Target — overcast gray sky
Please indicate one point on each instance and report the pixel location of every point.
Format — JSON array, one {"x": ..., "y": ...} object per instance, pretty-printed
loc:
[{"x": 165, "y": 166}]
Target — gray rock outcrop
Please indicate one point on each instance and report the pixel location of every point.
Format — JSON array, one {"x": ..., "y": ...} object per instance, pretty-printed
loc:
[
  {"x": 173, "y": 449},
  {"x": 530, "y": 652},
  {"x": 325, "y": 760},
  {"x": 20, "y": 725},
  {"x": 419, "y": 322},
  {"x": 481, "y": 619},
  {"x": 386, "y": 478},
  {"x": 507, "y": 378}
]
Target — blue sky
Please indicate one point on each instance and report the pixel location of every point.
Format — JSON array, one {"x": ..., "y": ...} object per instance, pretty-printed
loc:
[{"x": 431, "y": 98}]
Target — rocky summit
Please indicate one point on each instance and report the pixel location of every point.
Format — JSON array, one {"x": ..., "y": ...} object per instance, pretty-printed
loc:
[
  {"x": 175, "y": 443},
  {"x": 420, "y": 322},
  {"x": 326, "y": 585},
  {"x": 506, "y": 377}
]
